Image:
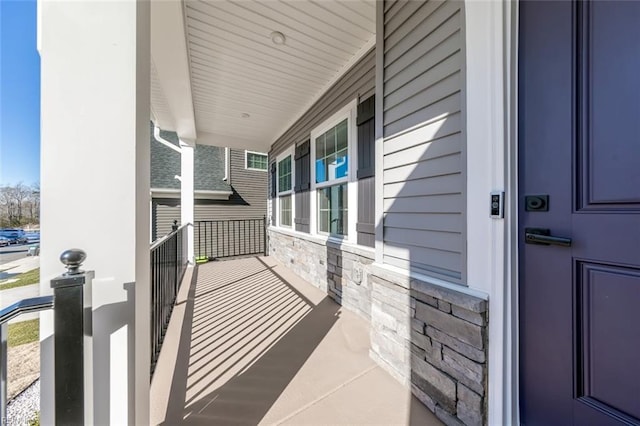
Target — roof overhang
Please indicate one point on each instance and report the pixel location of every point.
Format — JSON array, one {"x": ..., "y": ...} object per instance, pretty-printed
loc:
[{"x": 220, "y": 77}]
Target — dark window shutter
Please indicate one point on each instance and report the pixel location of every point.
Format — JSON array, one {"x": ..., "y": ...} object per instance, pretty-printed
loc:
[
  {"x": 303, "y": 167},
  {"x": 273, "y": 180},
  {"x": 366, "y": 138}
]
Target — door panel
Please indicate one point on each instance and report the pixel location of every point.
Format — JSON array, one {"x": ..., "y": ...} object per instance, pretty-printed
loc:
[
  {"x": 579, "y": 143},
  {"x": 610, "y": 109},
  {"x": 608, "y": 316}
]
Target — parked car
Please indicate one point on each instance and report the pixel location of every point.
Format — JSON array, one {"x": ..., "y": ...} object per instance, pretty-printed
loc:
[
  {"x": 15, "y": 236},
  {"x": 4, "y": 241}
]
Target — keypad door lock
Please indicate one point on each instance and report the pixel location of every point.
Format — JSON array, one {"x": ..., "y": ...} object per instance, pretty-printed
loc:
[{"x": 536, "y": 203}]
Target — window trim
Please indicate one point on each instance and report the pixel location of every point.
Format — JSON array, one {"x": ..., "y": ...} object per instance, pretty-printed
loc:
[
  {"x": 349, "y": 111},
  {"x": 246, "y": 160},
  {"x": 290, "y": 152}
]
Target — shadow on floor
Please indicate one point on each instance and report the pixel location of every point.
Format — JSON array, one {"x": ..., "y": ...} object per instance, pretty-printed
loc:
[{"x": 247, "y": 332}]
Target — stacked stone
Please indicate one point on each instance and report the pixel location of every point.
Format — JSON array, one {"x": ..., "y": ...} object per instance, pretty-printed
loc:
[
  {"x": 435, "y": 340},
  {"x": 429, "y": 337},
  {"x": 449, "y": 353},
  {"x": 342, "y": 272}
]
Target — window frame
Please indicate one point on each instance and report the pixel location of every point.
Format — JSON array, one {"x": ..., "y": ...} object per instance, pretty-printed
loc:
[
  {"x": 290, "y": 152},
  {"x": 348, "y": 112},
  {"x": 246, "y": 160}
]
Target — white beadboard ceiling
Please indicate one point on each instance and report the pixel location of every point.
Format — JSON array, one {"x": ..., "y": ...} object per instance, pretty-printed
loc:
[{"x": 236, "y": 69}]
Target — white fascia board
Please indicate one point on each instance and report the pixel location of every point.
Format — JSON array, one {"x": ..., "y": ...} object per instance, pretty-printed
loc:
[
  {"x": 199, "y": 194},
  {"x": 214, "y": 139},
  {"x": 171, "y": 59}
]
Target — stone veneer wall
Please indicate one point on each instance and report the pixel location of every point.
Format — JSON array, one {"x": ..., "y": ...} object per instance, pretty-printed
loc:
[
  {"x": 341, "y": 271},
  {"x": 431, "y": 338}
]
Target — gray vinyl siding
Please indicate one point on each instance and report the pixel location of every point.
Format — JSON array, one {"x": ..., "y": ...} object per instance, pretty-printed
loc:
[
  {"x": 247, "y": 201},
  {"x": 249, "y": 197},
  {"x": 423, "y": 151},
  {"x": 164, "y": 212},
  {"x": 359, "y": 81}
]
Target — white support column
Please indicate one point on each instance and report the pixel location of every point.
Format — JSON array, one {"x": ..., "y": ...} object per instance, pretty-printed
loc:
[
  {"x": 186, "y": 193},
  {"x": 95, "y": 189}
]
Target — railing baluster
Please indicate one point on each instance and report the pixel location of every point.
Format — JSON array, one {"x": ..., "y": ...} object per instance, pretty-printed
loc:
[
  {"x": 168, "y": 263},
  {"x": 219, "y": 239}
]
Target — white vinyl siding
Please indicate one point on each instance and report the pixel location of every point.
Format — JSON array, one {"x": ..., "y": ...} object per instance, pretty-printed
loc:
[{"x": 423, "y": 163}]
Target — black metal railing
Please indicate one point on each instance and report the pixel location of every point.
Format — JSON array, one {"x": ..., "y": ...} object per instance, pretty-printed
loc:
[
  {"x": 72, "y": 341},
  {"x": 217, "y": 239},
  {"x": 24, "y": 306},
  {"x": 168, "y": 264}
]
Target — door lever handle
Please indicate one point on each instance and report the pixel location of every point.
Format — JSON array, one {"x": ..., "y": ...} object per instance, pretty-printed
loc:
[{"x": 543, "y": 236}]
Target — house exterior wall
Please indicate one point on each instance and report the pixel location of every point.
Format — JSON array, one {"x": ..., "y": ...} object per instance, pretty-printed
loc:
[
  {"x": 357, "y": 82},
  {"x": 423, "y": 179},
  {"x": 249, "y": 187},
  {"x": 429, "y": 325},
  {"x": 249, "y": 197},
  {"x": 163, "y": 212},
  {"x": 342, "y": 271}
]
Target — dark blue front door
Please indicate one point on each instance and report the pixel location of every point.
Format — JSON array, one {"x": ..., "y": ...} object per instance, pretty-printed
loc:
[{"x": 579, "y": 215}]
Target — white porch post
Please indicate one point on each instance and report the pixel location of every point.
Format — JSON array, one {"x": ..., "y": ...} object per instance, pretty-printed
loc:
[
  {"x": 186, "y": 193},
  {"x": 95, "y": 189}
]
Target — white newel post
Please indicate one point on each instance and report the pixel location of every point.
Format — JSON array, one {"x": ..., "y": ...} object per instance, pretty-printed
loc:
[
  {"x": 95, "y": 189},
  {"x": 186, "y": 193}
]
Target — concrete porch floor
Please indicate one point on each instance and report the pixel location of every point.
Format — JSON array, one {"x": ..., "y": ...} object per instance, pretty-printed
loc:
[{"x": 251, "y": 343}]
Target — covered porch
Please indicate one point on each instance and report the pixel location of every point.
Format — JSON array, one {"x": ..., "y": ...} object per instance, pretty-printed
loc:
[
  {"x": 249, "y": 342},
  {"x": 252, "y": 343}
]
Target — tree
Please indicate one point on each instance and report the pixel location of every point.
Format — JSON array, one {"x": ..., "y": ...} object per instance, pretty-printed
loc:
[{"x": 19, "y": 205}]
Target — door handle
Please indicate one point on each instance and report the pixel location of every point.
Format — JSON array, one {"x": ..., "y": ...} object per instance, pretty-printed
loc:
[{"x": 543, "y": 236}]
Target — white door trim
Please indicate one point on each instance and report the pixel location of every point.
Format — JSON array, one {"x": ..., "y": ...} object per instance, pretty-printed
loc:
[{"x": 491, "y": 60}]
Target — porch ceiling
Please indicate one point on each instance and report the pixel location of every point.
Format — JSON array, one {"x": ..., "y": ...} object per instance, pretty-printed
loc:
[{"x": 235, "y": 69}]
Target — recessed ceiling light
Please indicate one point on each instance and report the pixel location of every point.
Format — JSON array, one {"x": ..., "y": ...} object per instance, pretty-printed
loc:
[
  {"x": 278, "y": 38},
  {"x": 245, "y": 115}
]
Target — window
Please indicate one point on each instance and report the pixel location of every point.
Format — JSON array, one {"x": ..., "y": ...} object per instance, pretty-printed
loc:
[
  {"x": 256, "y": 161},
  {"x": 285, "y": 210},
  {"x": 332, "y": 154},
  {"x": 332, "y": 209},
  {"x": 285, "y": 176},
  {"x": 331, "y": 179}
]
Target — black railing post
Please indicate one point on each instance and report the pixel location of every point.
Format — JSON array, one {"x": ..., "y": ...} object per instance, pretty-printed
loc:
[
  {"x": 72, "y": 314},
  {"x": 4, "y": 336},
  {"x": 264, "y": 228}
]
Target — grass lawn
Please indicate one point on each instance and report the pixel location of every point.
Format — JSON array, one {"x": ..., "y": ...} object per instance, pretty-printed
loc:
[
  {"x": 23, "y": 332},
  {"x": 28, "y": 278}
]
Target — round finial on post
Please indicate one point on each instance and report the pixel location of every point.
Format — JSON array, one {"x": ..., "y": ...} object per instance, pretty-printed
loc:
[{"x": 72, "y": 260}]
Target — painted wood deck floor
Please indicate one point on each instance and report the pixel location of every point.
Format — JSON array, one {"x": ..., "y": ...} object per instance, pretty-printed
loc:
[{"x": 251, "y": 343}]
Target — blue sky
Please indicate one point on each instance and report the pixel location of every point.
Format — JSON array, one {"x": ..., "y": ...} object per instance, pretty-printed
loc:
[{"x": 20, "y": 93}]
